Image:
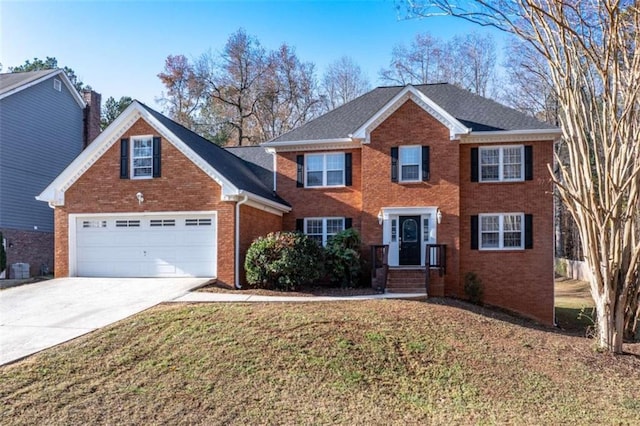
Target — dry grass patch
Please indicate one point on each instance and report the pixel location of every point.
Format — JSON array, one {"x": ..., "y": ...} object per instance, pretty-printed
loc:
[{"x": 365, "y": 362}]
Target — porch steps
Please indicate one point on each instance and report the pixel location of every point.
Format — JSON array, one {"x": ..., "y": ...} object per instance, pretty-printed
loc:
[{"x": 405, "y": 280}]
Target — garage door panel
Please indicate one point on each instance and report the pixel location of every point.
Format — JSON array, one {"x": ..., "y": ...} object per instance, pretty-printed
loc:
[{"x": 158, "y": 246}]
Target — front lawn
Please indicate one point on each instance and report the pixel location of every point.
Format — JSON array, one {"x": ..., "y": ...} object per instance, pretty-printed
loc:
[{"x": 360, "y": 362}]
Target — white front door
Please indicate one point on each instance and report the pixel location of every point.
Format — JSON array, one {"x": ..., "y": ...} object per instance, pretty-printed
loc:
[{"x": 172, "y": 245}]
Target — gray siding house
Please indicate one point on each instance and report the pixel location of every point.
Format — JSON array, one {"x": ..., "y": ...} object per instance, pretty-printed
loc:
[{"x": 42, "y": 129}]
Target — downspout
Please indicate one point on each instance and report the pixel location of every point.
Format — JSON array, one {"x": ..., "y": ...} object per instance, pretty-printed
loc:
[{"x": 237, "y": 256}]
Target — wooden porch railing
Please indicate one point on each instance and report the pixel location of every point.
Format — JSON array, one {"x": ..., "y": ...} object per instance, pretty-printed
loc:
[
  {"x": 436, "y": 258},
  {"x": 379, "y": 266}
]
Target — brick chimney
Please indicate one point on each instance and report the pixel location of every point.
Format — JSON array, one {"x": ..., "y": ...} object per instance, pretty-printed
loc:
[{"x": 91, "y": 115}]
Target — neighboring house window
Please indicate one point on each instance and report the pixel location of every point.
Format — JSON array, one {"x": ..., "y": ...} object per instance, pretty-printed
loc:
[
  {"x": 325, "y": 169},
  {"x": 141, "y": 157},
  {"x": 502, "y": 231},
  {"x": 502, "y": 164},
  {"x": 410, "y": 163}
]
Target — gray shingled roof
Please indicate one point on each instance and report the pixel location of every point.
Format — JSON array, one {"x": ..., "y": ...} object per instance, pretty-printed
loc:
[
  {"x": 473, "y": 111},
  {"x": 11, "y": 81},
  {"x": 233, "y": 168},
  {"x": 258, "y": 159}
]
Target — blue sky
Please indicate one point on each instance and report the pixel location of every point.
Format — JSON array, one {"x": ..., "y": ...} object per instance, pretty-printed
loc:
[{"x": 119, "y": 47}]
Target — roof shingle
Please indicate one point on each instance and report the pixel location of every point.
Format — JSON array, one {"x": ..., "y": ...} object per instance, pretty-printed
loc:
[{"x": 473, "y": 111}]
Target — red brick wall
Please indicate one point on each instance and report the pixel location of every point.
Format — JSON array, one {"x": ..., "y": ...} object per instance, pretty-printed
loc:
[
  {"x": 519, "y": 280},
  {"x": 411, "y": 125},
  {"x": 318, "y": 202},
  {"x": 253, "y": 224},
  {"x": 182, "y": 187}
]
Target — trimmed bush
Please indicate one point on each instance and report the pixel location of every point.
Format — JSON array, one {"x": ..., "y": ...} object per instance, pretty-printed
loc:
[
  {"x": 284, "y": 261},
  {"x": 342, "y": 255},
  {"x": 473, "y": 288}
]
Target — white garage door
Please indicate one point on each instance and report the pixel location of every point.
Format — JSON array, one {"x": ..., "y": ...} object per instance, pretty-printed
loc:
[{"x": 146, "y": 246}]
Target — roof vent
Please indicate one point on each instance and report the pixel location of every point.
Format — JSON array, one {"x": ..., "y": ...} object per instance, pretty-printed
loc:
[{"x": 57, "y": 84}]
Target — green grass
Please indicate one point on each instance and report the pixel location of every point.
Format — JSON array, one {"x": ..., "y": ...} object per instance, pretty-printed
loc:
[{"x": 364, "y": 362}]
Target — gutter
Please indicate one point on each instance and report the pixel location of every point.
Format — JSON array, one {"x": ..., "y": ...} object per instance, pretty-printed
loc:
[{"x": 237, "y": 254}]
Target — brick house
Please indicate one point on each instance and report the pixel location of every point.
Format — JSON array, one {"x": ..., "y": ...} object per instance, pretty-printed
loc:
[
  {"x": 406, "y": 166},
  {"x": 431, "y": 164}
]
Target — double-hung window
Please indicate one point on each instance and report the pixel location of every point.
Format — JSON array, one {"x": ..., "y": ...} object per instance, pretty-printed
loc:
[
  {"x": 325, "y": 169},
  {"x": 501, "y": 164},
  {"x": 141, "y": 157},
  {"x": 410, "y": 160},
  {"x": 501, "y": 231},
  {"x": 321, "y": 229}
]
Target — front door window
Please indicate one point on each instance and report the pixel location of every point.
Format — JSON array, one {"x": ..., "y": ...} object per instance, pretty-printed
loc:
[{"x": 409, "y": 240}]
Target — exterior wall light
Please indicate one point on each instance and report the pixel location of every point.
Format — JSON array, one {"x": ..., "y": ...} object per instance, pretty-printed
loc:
[
  {"x": 439, "y": 216},
  {"x": 380, "y": 217},
  {"x": 140, "y": 197}
]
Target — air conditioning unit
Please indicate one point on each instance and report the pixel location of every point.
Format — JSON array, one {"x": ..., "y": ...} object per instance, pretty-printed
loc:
[{"x": 19, "y": 271}]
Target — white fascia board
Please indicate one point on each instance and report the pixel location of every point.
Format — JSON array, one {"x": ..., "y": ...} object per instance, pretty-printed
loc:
[
  {"x": 74, "y": 93},
  {"x": 263, "y": 202},
  {"x": 54, "y": 193},
  {"x": 512, "y": 136},
  {"x": 313, "y": 145},
  {"x": 411, "y": 93}
]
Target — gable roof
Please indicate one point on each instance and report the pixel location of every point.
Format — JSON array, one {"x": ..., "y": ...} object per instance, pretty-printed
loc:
[
  {"x": 234, "y": 168},
  {"x": 230, "y": 171},
  {"x": 12, "y": 83},
  {"x": 474, "y": 112}
]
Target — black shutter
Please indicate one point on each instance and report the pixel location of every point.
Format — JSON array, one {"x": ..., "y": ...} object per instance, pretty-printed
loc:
[
  {"x": 528, "y": 162},
  {"x": 348, "y": 222},
  {"x": 426, "y": 173},
  {"x": 474, "y": 164},
  {"x": 156, "y": 157},
  {"x": 394, "y": 164},
  {"x": 528, "y": 231},
  {"x": 347, "y": 169},
  {"x": 300, "y": 178},
  {"x": 474, "y": 232},
  {"x": 124, "y": 158},
  {"x": 300, "y": 225}
]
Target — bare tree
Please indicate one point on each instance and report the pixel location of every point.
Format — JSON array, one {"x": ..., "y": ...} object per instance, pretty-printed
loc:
[
  {"x": 342, "y": 82},
  {"x": 475, "y": 56},
  {"x": 466, "y": 61},
  {"x": 185, "y": 91},
  {"x": 590, "y": 49},
  {"x": 421, "y": 63},
  {"x": 289, "y": 96},
  {"x": 234, "y": 83}
]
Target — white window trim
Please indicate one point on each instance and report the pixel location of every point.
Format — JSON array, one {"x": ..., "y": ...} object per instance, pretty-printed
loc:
[
  {"x": 400, "y": 149},
  {"x": 324, "y": 170},
  {"x": 131, "y": 156},
  {"x": 501, "y": 149},
  {"x": 325, "y": 236},
  {"x": 501, "y": 231}
]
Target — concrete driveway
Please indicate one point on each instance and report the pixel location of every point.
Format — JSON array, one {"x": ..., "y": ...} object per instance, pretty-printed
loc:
[{"x": 37, "y": 316}]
